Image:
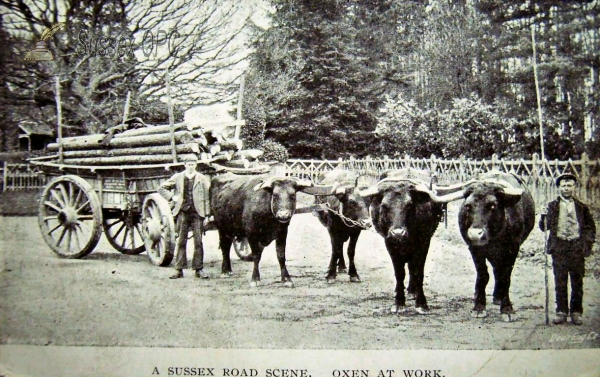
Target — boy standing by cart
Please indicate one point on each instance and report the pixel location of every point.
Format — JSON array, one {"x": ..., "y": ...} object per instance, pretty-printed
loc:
[
  {"x": 190, "y": 201},
  {"x": 572, "y": 233}
]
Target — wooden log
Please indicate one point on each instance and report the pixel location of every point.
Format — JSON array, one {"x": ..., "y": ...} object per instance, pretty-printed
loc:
[
  {"x": 163, "y": 149},
  {"x": 235, "y": 144},
  {"x": 93, "y": 141},
  {"x": 261, "y": 169},
  {"x": 225, "y": 155},
  {"x": 124, "y": 160},
  {"x": 214, "y": 149},
  {"x": 248, "y": 154},
  {"x": 243, "y": 163}
]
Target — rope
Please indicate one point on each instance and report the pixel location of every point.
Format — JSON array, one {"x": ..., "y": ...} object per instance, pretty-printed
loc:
[{"x": 347, "y": 221}]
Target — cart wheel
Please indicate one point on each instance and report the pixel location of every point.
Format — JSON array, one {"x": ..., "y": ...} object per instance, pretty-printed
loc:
[
  {"x": 123, "y": 231},
  {"x": 242, "y": 249},
  {"x": 158, "y": 229},
  {"x": 70, "y": 216}
]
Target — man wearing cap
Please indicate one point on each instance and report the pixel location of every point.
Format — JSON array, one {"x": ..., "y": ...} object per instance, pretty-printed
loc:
[
  {"x": 572, "y": 234},
  {"x": 129, "y": 124},
  {"x": 191, "y": 206}
]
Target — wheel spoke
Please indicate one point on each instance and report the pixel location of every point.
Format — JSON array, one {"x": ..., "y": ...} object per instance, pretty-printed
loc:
[
  {"x": 68, "y": 239},
  {"x": 119, "y": 231},
  {"x": 53, "y": 229},
  {"x": 71, "y": 194},
  {"x": 56, "y": 197},
  {"x": 124, "y": 241},
  {"x": 48, "y": 218},
  {"x": 52, "y": 205},
  {"x": 77, "y": 238},
  {"x": 64, "y": 194},
  {"x": 82, "y": 206},
  {"x": 113, "y": 224},
  {"x": 85, "y": 217},
  {"x": 78, "y": 198},
  {"x": 62, "y": 235}
]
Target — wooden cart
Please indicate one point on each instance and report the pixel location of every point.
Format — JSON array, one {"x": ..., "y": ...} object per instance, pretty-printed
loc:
[{"x": 82, "y": 202}]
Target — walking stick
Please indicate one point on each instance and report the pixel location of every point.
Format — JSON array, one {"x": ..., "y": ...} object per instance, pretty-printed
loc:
[{"x": 547, "y": 303}]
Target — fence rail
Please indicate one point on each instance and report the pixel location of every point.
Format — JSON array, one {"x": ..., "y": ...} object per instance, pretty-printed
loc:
[
  {"x": 539, "y": 175},
  {"x": 21, "y": 177}
]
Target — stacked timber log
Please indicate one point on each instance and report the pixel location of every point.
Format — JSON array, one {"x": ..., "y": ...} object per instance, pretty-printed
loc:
[{"x": 214, "y": 145}]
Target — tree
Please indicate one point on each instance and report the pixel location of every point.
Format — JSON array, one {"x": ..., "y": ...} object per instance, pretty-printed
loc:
[
  {"x": 109, "y": 47},
  {"x": 321, "y": 69}
]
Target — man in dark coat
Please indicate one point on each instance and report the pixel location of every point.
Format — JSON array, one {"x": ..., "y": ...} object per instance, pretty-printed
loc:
[
  {"x": 129, "y": 124},
  {"x": 572, "y": 234},
  {"x": 191, "y": 205}
]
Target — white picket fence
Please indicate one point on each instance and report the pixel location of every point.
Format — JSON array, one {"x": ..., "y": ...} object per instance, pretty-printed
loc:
[
  {"x": 538, "y": 175},
  {"x": 21, "y": 177}
]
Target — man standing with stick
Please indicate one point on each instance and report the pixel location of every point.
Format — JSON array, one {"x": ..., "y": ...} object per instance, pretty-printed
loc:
[{"x": 572, "y": 235}]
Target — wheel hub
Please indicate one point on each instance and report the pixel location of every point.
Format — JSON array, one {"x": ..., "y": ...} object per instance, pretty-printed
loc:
[
  {"x": 68, "y": 216},
  {"x": 154, "y": 230}
]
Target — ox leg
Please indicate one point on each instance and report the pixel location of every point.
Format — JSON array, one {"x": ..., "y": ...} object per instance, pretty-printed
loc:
[
  {"x": 341, "y": 263},
  {"x": 411, "y": 290},
  {"x": 496, "y": 295},
  {"x": 225, "y": 244},
  {"x": 337, "y": 249},
  {"x": 481, "y": 282},
  {"x": 257, "y": 250},
  {"x": 419, "y": 275},
  {"x": 354, "y": 278},
  {"x": 280, "y": 243},
  {"x": 398, "y": 261},
  {"x": 505, "y": 271}
]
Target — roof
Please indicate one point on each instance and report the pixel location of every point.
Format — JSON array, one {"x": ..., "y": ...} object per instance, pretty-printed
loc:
[{"x": 32, "y": 128}]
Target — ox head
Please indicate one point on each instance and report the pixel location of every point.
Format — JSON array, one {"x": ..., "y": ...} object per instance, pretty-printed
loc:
[
  {"x": 398, "y": 202},
  {"x": 352, "y": 205},
  {"x": 482, "y": 214},
  {"x": 283, "y": 195}
]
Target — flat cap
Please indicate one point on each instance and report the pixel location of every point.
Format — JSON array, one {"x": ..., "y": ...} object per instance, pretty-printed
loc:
[
  {"x": 566, "y": 176},
  {"x": 134, "y": 120},
  {"x": 189, "y": 158}
]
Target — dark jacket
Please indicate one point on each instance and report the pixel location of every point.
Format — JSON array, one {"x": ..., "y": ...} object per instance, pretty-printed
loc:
[{"x": 587, "y": 227}]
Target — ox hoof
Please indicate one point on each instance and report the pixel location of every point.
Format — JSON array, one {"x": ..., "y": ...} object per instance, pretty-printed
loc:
[
  {"x": 288, "y": 284},
  {"x": 255, "y": 284},
  {"x": 478, "y": 313},
  {"x": 497, "y": 301},
  {"x": 354, "y": 279},
  {"x": 507, "y": 317},
  {"x": 226, "y": 275},
  {"x": 422, "y": 311},
  {"x": 331, "y": 280}
]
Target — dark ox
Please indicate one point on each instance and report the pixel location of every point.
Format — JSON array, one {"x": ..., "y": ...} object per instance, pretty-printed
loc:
[
  {"x": 256, "y": 207},
  {"x": 495, "y": 218},
  {"x": 406, "y": 213},
  {"x": 345, "y": 214}
]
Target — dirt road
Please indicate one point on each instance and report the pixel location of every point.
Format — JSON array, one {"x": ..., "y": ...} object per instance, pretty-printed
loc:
[{"x": 109, "y": 299}]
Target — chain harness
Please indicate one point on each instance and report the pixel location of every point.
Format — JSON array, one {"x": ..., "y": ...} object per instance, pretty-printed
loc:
[{"x": 346, "y": 220}]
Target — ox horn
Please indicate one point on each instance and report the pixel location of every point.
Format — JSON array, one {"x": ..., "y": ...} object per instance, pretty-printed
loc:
[
  {"x": 373, "y": 190},
  {"x": 440, "y": 199}
]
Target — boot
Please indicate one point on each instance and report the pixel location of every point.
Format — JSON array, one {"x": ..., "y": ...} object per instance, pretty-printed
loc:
[
  {"x": 177, "y": 275},
  {"x": 560, "y": 318},
  {"x": 576, "y": 319}
]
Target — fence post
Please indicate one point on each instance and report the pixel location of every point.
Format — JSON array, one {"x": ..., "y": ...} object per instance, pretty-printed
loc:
[
  {"x": 461, "y": 169},
  {"x": 585, "y": 175},
  {"x": 4, "y": 176},
  {"x": 433, "y": 165},
  {"x": 494, "y": 162}
]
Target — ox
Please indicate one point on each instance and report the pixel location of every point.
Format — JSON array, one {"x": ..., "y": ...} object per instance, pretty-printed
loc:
[
  {"x": 259, "y": 208},
  {"x": 345, "y": 214},
  {"x": 495, "y": 218},
  {"x": 406, "y": 213}
]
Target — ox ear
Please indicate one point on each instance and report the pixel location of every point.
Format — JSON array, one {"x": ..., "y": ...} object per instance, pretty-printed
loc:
[
  {"x": 509, "y": 196},
  {"x": 266, "y": 184}
]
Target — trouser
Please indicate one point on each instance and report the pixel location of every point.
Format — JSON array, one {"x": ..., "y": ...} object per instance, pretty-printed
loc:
[
  {"x": 185, "y": 220},
  {"x": 568, "y": 261}
]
